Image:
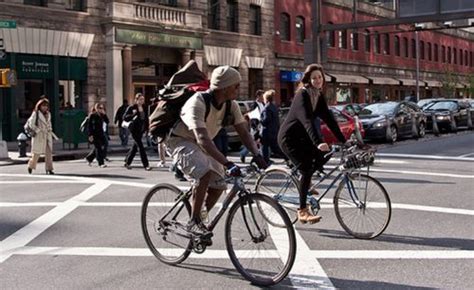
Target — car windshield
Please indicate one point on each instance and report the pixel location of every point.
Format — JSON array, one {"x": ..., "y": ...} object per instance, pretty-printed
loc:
[
  {"x": 442, "y": 106},
  {"x": 423, "y": 103},
  {"x": 378, "y": 109}
]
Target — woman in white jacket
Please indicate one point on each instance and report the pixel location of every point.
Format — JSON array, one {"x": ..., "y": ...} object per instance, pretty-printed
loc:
[{"x": 42, "y": 141}]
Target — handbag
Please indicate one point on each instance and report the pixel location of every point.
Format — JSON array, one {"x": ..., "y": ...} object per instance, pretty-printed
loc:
[
  {"x": 28, "y": 130},
  {"x": 126, "y": 124}
]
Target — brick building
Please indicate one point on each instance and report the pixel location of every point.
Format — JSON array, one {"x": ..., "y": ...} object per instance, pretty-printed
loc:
[
  {"x": 83, "y": 52},
  {"x": 371, "y": 64}
]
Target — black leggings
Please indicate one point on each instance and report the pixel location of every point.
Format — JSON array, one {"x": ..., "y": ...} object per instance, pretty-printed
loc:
[{"x": 137, "y": 146}]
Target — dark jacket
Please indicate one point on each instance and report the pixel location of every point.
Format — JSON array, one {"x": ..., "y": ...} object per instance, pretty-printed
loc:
[
  {"x": 270, "y": 122},
  {"x": 138, "y": 125},
  {"x": 300, "y": 123},
  {"x": 96, "y": 127},
  {"x": 119, "y": 115}
]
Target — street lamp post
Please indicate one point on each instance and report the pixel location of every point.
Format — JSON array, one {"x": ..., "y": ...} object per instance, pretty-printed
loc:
[{"x": 417, "y": 40}]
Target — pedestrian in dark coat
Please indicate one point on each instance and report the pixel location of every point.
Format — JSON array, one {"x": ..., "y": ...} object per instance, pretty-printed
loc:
[
  {"x": 123, "y": 132},
  {"x": 299, "y": 138},
  {"x": 137, "y": 115},
  {"x": 97, "y": 135},
  {"x": 270, "y": 125}
]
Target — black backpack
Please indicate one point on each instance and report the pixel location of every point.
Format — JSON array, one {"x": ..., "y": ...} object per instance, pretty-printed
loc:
[{"x": 168, "y": 109}]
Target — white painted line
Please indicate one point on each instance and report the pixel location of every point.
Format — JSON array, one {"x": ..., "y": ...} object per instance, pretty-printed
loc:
[
  {"x": 270, "y": 254},
  {"x": 307, "y": 272},
  {"x": 28, "y": 204},
  {"x": 434, "y": 209},
  {"x": 43, "y": 181},
  {"x": 467, "y": 155},
  {"x": 389, "y": 161},
  {"x": 26, "y": 234},
  {"x": 400, "y": 254},
  {"x": 424, "y": 173},
  {"x": 419, "y": 156}
]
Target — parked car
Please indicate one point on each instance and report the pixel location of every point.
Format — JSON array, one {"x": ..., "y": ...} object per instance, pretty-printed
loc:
[
  {"x": 444, "y": 111},
  {"x": 233, "y": 137},
  {"x": 396, "y": 117},
  {"x": 425, "y": 102},
  {"x": 351, "y": 109}
]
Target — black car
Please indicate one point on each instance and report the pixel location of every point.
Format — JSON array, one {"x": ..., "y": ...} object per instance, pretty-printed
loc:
[
  {"x": 392, "y": 120},
  {"x": 351, "y": 109},
  {"x": 449, "y": 113}
]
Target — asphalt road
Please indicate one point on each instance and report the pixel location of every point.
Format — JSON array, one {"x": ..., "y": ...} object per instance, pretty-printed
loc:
[{"x": 81, "y": 229}]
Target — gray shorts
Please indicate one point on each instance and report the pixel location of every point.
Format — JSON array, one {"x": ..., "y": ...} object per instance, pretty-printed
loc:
[{"x": 195, "y": 163}]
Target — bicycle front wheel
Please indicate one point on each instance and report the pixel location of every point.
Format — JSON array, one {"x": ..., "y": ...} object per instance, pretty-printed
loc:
[
  {"x": 282, "y": 187},
  {"x": 162, "y": 220},
  {"x": 362, "y": 206},
  {"x": 262, "y": 253}
]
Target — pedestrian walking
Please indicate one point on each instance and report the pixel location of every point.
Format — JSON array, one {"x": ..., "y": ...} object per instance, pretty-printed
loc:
[
  {"x": 42, "y": 138},
  {"x": 253, "y": 125},
  {"x": 162, "y": 154},
  {"x": 270, "y": 125},
  {"x": 300, "y": 140},
  {"x": 137, "y": 115},
  {"x": 123, "y": 132},
  {"x": 97, "y": 135}
]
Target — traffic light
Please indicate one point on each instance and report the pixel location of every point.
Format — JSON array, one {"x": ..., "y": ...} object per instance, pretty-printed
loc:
[{"x": 7, "y": 78}]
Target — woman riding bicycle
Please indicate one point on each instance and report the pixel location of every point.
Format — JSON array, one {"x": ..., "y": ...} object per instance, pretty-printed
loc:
[{"x": 299, "y": 136}]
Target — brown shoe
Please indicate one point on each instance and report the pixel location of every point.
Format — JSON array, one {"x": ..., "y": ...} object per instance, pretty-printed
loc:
[
  {"x": 304, "y": 216},
  {"x": 313, "y": 191}
]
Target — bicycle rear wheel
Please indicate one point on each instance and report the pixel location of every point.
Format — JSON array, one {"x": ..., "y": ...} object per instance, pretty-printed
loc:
[
  {"x": 362, "y": 206},
  {"x": 282, "y": 187},
  {"x": 262, "y": 253},
  {"x": 162, "y": 221}
]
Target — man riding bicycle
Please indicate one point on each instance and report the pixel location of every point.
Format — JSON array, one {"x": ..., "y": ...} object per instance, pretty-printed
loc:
[{"x": 190, "y": 142}]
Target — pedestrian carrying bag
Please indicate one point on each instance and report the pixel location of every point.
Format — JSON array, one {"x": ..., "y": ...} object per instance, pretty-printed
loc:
[
  {"x": 28, "y": 130},
  {"x": 126, "y": 124},
  {"x": 84, "y": 128}
]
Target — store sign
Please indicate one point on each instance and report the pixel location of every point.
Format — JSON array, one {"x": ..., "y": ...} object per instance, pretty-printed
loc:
[
  {"x": 157, "y": 39},
  {"x": 290, "y": 76},
  {"x": 7, "y": 24},
  {"x": 34, "y": 67}
]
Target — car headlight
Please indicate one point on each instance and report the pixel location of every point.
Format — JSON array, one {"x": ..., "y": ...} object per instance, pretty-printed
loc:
[
  {"x": 380, "y": 124},
  {"x": 443, "y": 117}
]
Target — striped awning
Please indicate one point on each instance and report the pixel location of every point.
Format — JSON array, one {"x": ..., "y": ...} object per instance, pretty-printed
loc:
[
  {"x": 383, "y": 81},
  {"x": 354, "y": 79},
  {"x": 217, "y": 55},
  {"x": 433, "y": 84},
  {"x": 46, "y": 42}
]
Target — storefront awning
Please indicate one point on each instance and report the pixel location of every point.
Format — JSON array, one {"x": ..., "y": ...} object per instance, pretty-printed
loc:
[
  {"x": 350, "y": 79},
  {"x": 217, "y": 55},
  {"x": 46, "y": 42},
  {"x": 383, "y": 81},
  {"x": 460, "y": 86},
  {"x": 433, "y": 84},
  {"x": 411, "y": 82},
  {"x": 255, "y": 62}
]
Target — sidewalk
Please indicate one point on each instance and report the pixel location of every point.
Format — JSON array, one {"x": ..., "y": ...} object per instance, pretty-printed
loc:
[{"x": 63, "y": 153}]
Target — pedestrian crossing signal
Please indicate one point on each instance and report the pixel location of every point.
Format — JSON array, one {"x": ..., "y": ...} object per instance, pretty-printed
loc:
[{"x": 7, "y": 78}]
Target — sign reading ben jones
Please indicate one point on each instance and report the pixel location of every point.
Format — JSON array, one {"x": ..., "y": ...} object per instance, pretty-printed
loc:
[
  {"x": 34, "y": 67},
  {"x": 157, "y": 39}
]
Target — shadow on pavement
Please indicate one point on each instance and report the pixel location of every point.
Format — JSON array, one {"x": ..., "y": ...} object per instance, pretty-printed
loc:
[{"x": 406, "y": 180}]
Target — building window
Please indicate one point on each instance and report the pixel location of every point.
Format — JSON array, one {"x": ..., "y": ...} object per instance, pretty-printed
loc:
[
  {"x": 413, "y": 48},
  {"x": 376, "y": 42},
  {"x": 455, "y": 55},
  {"x": 405, "y": 46},
  {"x": 436, "y": 52},
  {"x": 466, "y": 63},
  {"x": 367, "y": 40},
  {"x": 429, "y": 51},
  {"x": 355, "y": 41},
  {"x": 460, "y": 57},
  {"x": 255, "y": 20},
  {"x": 76, "y": 5},
  {"x": 36, "y": 2},
  {"x": 386, "y": 44},
  {"x": 422, "y": 50},
  {"x": 397, "y": 45},
  {"x": 285, "y": 27},
  {"x": 443, "y": 53},
  {"x": 172, "y": 3},
  {"x": 213, "y": 16},
  {"x": 343, "y": 39},
  {"x": 449, "y": 54},
  {"x": 300, "y": 29},
  {"x": 331, "y": 35},
  {"x": 232, "y": 16}
]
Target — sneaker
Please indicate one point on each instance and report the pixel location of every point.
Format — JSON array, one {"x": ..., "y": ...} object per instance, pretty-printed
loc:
[
  {"x": 127, "y": 166},
  {"x": 103, "y": 166},
  {"x": 198, "y": 229},
  {"x": 148, "y": 168},
  {"x": 49, "y": 172}
]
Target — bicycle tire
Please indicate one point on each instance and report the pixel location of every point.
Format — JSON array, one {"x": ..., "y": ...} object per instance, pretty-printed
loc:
[
  {"x": 280, "y": 185},
  {"x": 161, "y": 240},
  {"x": 248, "y": 232},
  {"x": 376, "y": 212}
]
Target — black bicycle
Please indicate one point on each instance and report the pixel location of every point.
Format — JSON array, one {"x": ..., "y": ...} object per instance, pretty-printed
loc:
[
  {"x": 262, "y": 253},
  {"x": 361, "y": 203}
]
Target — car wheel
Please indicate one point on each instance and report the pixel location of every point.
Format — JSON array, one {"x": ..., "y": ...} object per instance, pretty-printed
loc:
[
  {"x": 393, "y": 134},
  {"x": 422, "y": 130}
]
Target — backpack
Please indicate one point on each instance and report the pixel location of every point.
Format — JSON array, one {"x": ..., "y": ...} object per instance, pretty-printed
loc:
[
  {"x": 168, "y": 110},
  {"x": 28, "y": 130},
  {"x": 84, "y": 127}
]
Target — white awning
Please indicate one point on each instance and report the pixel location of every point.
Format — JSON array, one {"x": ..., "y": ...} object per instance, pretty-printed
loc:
[
  {"x": 383, "y": 81},
  {"x": 433, "y": 84},
  {"x": 411, "y": 82},
  {"x": 255, "y": 62},
  {"x": 216, "y": 55},
  {"x": 350, "y": 79},
  {"x": 46, "y": 42}
]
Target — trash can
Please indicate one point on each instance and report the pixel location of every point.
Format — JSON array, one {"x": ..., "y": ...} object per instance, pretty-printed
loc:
[{"x": 70, "y": 122}]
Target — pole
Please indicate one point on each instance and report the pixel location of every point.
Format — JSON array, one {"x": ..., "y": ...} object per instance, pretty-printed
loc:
[
  {"x": 316, "y": 24},
  {"x": 417, "y": 39},
  {"x": 68, "y": 80}
]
